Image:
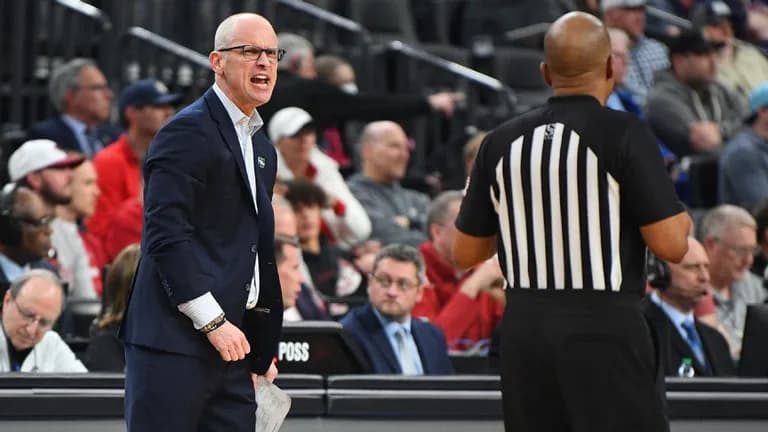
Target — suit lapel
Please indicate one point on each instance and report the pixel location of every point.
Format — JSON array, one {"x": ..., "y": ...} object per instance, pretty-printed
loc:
[
  {"x": 380, "y": 339},
  {"x": 227, "y": 131},
  {"x": 420, "y": 346}
]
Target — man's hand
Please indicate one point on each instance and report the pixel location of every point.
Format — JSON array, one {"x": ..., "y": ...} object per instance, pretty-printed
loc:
[
  {"x": 445, "y": 102},
  {"x": 230, "y": 342},
  {"x": 270, "y": 375},
  {"x": 704, "y": 136}
]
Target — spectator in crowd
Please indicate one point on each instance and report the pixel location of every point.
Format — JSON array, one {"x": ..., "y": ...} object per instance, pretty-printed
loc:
[
  {"x": 621, "y": 99},
  {"x": 469, "y": 152},
  {"x": 337, "y": 71},
  {"x": 309, "y": 305},
  {"x": 43, "y": 167},
  {"x": 288, "y": 261},
  {"x": 76, "y": 263},
  {"x": 743, "y": 165},
  {"x": 669, "y": 309},
  {"x": 328, "y": 104},
  {"x": 397, "y": 215},
  {"x": 25, "y": 232},
  {"x": 760, "y": 260},
  {"x": 105, "y": 350},
  {"x": 688, "y": 110},
  {"x": 80, "y": 94},
  {"x": 393, "y": 341},
  {"x": 49, "y": 171},
  {"x": 145, "y": 106},
  {"x": 331, "y": 270},
  {"x": 467, "y": 306},
  {"x": 292, "y": 130},
  {"x": 646, "y": 55},
  {"x": 729, "y": 237},
  {"x": 740, "y": 65},
  {"x": 31, "y": 307},
  {"x": 126, "y": 224}
]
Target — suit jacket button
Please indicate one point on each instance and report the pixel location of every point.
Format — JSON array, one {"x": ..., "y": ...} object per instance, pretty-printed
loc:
[
  {"x": 254, "y": 248},
  {"x": 248, "y": 287}
]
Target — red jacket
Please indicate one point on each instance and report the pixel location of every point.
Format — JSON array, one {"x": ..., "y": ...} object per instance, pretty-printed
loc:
[
  {"x": 117, "y": 169},
  {"x": 125, "y": 229},
  {"x": 467, "y": 323}
]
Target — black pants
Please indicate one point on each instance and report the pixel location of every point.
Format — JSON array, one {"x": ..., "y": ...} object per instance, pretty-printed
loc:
[
  {"x": 578, "y": 362},
  {"x": 173, "y": 392}
]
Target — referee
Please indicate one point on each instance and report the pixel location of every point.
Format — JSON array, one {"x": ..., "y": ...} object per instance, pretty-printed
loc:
[{"x": 571, "y": 193}]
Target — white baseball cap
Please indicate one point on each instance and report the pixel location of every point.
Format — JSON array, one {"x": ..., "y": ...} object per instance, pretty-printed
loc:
[
  {"x": 615, "y": 4},
  {"x": 38, "y": 154},
  {"x": 287, "y": 122}
]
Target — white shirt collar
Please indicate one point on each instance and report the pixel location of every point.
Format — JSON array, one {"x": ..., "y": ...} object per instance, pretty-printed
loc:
[{"x": 255, "y": 122}]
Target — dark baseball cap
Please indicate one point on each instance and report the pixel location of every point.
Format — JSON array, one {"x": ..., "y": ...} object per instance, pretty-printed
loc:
[
  {"x": 710, "y": 12},
  {"x": 146, "y": 92},
  {"x": 692, "y": 42}
]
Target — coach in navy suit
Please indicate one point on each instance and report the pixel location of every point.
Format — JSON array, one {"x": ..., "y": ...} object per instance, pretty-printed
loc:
[
  {"x": 204, "y": 317},
  {"x": 394, "y": 342},
  {"x": 79, "y": 91}
]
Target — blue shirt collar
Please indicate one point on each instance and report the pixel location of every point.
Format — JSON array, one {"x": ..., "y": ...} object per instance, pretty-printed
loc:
[
  {"x": 390, "y": 327},
  {"x": 677, "y": 317},
  {"x": 10, "y": 268}
]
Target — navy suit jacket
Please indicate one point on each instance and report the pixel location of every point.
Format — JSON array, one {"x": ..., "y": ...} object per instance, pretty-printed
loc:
[
  {"x": 201, "y": 233},
  {"x": 673, "y": 348},
  {"x": 362, "y": 324},
  {"x": 56, "y": 130}
]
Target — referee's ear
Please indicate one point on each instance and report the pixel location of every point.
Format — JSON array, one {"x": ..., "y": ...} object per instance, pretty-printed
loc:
[{"x": 544, "y": 68}]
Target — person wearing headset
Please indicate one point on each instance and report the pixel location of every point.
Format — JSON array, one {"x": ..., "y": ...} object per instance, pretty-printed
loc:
[
  {"x": 669, "y": 311},
  {"x": 31, "y": 307},
  {"x": 25, "y": 232}
]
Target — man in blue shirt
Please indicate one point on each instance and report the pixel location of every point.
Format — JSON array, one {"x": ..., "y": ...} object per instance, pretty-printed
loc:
[
  {"x": 669, "y": 309},
  {"x": 393, "y": 342}
]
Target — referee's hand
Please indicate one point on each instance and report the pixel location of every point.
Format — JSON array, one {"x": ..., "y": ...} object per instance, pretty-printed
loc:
[{"x": 230, "y": 342}]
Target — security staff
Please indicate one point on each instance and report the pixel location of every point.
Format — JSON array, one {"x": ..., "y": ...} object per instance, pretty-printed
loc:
[{"x": 570, "y": 194}]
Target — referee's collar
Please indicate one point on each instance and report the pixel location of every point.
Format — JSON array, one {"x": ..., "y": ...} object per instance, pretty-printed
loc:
[{"x": 574, "y": 99}]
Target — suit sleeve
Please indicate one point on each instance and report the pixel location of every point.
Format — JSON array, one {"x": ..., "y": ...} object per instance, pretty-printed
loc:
[{"x": 176, "y": 172}]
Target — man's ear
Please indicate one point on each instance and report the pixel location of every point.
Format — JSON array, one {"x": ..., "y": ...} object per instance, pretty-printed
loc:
[
  {"x": 609, "y": 68},
  {"x": 544, "y": 68},
  {"x": 216, "y": 59}
]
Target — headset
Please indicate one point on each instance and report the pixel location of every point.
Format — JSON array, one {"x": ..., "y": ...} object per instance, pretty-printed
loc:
[
  {"x": 10, "y": 228},
  {"x": 657, "y": 272}
]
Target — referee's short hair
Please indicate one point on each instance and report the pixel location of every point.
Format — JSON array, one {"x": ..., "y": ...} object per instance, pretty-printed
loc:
[
  {"x": 401, "y": 253},
  {"x": 723, "y": 217},
  {"x": 438, "y": 210}
]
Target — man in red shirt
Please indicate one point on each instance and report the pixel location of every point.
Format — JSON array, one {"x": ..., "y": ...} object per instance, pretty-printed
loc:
[
  {"x": 466, "y": 306},
  {"x": 145, "y": 106}
]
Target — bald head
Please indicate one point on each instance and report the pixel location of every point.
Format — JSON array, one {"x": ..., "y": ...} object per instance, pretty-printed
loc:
[
  {"x": 577, "y": 53},
  {"x": 228, "y": 27},
  {"x": 384, "y": 151}
]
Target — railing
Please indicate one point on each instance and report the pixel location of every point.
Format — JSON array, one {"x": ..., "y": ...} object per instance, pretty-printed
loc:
[
  {"x": 159, "y": 57},
  {"x": 668, "y": 17}
]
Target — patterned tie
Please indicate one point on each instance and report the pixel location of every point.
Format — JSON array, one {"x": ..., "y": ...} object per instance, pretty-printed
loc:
[
  {"x": 406, "y": 359},
  {"x": 92, "y": 142},
  {"x": 692, "y": 337}
]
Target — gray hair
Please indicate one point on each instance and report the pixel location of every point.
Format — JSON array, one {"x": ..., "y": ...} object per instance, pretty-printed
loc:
[
  {"x": 723, "y": 217},
  {"x": 297, "y": 49},
  {"x": 27, "y": 276},
  {"x": 402, "y": 253},
  {"x": 438, "y": 210},
  {"x": 66, "y": 78}
]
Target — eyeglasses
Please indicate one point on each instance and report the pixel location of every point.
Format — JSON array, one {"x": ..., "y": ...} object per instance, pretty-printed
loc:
[
  {"x": 253, "y": 52},
  {"x": 403, "y": 284},
  {"x": 42, "y": 222},
  {"x": 31, "y": 318},
  {"x": 740, "y": 251}
]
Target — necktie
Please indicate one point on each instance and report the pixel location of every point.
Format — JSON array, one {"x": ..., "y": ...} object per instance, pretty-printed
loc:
[
  {"x": 692, "y": 337},
  {"x": 92, "y": 143},
  {"x": 406, "y": 359}
]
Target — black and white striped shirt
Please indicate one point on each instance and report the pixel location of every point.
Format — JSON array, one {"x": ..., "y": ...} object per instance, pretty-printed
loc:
[{"x": 566, "y": 187}]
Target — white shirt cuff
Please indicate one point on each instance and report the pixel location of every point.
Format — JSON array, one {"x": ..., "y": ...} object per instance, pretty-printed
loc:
[{"x": 201, "y": 310}]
